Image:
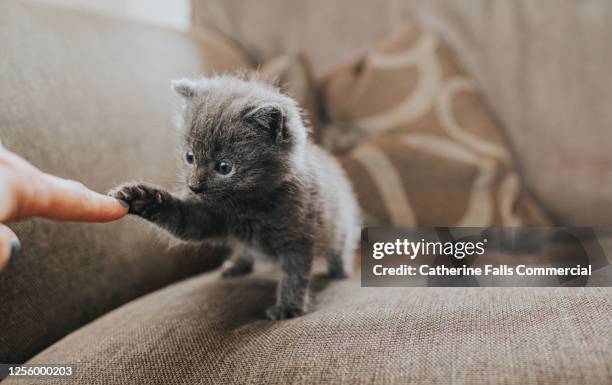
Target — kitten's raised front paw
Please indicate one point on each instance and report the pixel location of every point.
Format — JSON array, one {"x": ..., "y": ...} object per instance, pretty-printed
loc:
[
  {"x": 279, "y": 312},
  {"x": 144, "y": 200}
]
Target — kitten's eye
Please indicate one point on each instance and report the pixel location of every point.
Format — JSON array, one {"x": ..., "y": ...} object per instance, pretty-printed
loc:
[
  {"x": 224, "y": 167},
  {"x": 189, "y": 158}
]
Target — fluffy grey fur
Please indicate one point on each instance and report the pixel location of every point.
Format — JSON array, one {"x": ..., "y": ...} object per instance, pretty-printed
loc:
[{"x": 253, "y": 177}]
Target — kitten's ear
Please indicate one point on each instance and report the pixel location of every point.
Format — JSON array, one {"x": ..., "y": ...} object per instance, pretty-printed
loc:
[
  {"x": 185, "y": 87},
  {"x": 270, "y": 118}
]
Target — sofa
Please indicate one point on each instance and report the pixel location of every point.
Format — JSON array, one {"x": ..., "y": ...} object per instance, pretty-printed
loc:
[{"x": 87, "y": 97}]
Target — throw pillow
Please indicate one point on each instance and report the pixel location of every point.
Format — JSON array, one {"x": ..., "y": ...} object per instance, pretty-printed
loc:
[{"x": 418, "y": 141}]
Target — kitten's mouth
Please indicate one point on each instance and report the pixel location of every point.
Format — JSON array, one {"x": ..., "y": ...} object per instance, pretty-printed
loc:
[
  {"x": 196, "y": 189},
  {"x": 199, "y": 195}
]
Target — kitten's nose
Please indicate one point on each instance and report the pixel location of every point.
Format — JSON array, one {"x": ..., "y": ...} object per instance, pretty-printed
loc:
[{"x": 196, "y": 188}]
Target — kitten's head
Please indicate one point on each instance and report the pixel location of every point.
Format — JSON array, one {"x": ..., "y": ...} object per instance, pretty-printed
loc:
[{"x": 239, "y": 136}]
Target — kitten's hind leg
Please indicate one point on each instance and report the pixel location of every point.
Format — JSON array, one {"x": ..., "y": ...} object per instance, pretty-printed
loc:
[
  {"x": 335, "y": 266},
  {"x": 239, "y": 265}
]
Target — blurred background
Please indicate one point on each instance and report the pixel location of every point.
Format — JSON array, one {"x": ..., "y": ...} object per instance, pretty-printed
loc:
[
  {"x": 542, "y": 68},
  {"x": 173, "y": 14}
]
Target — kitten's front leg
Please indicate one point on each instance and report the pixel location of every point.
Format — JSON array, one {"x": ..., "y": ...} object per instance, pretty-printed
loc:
[
  {"x": 183, "y": 219},
  {"x": 293, "y": 288}
]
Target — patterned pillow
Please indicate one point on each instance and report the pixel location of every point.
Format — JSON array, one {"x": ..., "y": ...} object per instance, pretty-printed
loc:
[
  {"x": 420, "y": 145},
  {"x": 292, "y": 73}
]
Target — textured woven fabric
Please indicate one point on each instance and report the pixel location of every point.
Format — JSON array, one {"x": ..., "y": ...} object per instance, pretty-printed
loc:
[
  {"x": 88, "y": 98},
  {"x": 207, "y": 330}
]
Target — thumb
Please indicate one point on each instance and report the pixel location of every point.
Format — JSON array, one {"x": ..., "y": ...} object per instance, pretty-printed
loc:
[{"x": 9, "y": 245}]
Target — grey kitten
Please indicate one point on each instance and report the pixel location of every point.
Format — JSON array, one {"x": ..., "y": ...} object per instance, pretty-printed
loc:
[{"x": 253, "y": 177}]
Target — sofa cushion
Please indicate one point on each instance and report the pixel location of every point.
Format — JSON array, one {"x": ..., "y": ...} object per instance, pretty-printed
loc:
[
  {"x": 208, "y": 330},
  {"x": 428, "y": 152},
  {"x": 88, "y": 97}
]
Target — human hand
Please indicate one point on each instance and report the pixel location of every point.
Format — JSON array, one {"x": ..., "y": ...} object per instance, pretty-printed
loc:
[{"x": 26, "y": 192}]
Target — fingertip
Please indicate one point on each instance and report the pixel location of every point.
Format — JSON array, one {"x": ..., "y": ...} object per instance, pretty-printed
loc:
[
  {"x": 123, "y": 205},
  {"x": 73, "y": 201},
  {"x": 123, "y": 209},
  {"x": 105, "y": 209},
  {"x": 116, "y": 209},
  {"x": 100, "y": 208}
]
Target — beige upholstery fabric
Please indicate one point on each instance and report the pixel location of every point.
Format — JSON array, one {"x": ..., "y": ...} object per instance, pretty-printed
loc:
[
  {"x": 211, "y": 331},
  {"x": 87, "y": 97},
  {"x": 543, "y": 67},
  {"x": 292, "y": 73},
  {"x": 430, "y": 153}
]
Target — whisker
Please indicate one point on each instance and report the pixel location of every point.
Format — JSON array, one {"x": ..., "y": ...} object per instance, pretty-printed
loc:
[{"x": 232, "y": 204}]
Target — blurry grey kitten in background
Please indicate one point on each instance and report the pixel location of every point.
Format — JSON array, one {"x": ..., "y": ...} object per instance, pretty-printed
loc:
[{"x": 253, "y": 177}]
